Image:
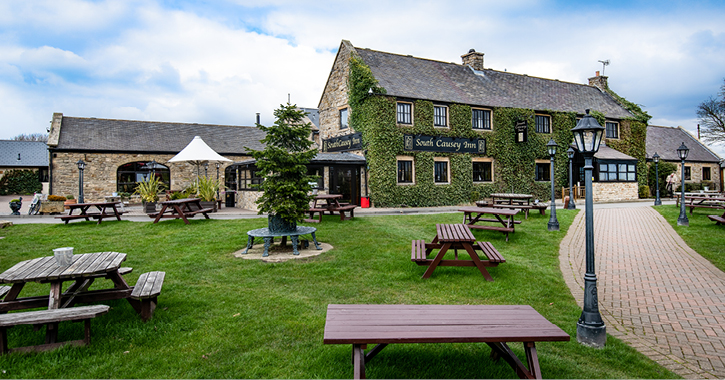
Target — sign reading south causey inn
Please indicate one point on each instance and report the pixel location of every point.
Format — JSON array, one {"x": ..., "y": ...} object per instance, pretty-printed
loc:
[
  {"x": 343, "y": 143},
  {"x": 444, "y": 144}
]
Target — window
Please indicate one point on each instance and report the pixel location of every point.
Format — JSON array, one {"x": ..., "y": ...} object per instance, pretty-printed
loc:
[
  {"x": 319, "y": 172},
  {"x": 482, "y": 171},
  {"x": 343, "y": 118},
  {"x": 405, "y": 113},
  {"x": 481, "y": 119},
  {"x": 612, "y": 130},
  {"x": 688, "y": 173},
  {"x": 440, "y": 116},
  {"x": 129, "y": 175},
  {"x": 706, "y": 174},
  {"x": 617, "y": 172},
  {"x": 406, "y": 172},
  {"x": 249, "y": 177},
  {"x": 543, "y": 172},
  {"x": 441, "y": 174},
  {"x": 543, "y": 124}
]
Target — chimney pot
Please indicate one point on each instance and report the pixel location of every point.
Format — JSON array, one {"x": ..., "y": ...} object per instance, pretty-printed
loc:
[
  {"x": 473, "y": 59},
  {"x": 597, "y": 74}
]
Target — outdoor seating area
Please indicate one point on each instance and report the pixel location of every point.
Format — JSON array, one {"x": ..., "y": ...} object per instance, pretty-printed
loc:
[
  {"x": 514, "y": 201},
  {"x": 702, "y": 200},
  {"x": 105, "y": 210},
  {"x": 330, "y": 205},
  {"x": 181, "y": 209}
]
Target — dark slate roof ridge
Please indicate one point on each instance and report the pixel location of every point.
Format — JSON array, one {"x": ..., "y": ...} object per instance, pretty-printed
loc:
[
  {"x": 158, "y": 122},
  {"x": 656, "y": 134},
  {"x": 411, "y": 56}
]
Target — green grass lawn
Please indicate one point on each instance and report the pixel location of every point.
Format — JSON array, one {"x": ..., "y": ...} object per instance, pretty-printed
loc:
[
  {"x": 224, "y": 317},
  {"x": 702, "y": 235}
]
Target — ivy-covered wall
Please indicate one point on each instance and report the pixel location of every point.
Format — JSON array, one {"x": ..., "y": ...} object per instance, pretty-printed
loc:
[{"x": 374, "y": 115}]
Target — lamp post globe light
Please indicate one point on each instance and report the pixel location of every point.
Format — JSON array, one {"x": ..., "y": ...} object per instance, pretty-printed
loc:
[
  {"x": 656, "y": 159},
  {"x": 682, "y": 152},
  {"x": 590, "y": 329},
  {"x": 571, "y": 205},
  {"x": 553, "y": 223},
  {"x": 81, "y": 167}
]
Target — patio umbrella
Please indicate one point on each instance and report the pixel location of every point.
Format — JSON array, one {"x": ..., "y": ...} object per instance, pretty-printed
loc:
[{"x": 198, "y": 153}]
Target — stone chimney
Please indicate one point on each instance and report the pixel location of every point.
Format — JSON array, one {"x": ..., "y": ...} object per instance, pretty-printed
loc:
[
  {"x": 473, "y": 59},
  {"x": 599, "y": 81}
]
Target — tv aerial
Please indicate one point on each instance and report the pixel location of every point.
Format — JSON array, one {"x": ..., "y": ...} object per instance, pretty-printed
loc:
[{"x": 604, "y": 63}]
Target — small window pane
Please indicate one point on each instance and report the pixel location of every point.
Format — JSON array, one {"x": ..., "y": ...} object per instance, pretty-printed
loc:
[
  {"x": 612, "y": 168},
  {"x": 603, "y": 167},
  {"x": 631, "y": 168},
  {"x": 631, "y": 176},
  {"x": 602, "y": 176}
]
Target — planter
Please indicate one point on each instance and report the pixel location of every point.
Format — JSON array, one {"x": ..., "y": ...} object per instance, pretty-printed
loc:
[
  {"x": 149, "y": 207},
  {"x": 209, "y": 204},
  {"x": 69, "y": 202},
  {"x": 15, "y": 207},
  {"x": 277, "y": 224},
  {"x": 52, "y": 207}
]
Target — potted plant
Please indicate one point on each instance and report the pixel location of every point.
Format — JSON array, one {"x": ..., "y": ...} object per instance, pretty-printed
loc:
[
  {"x": 149, "y": 192},
  {"x": 207, "y": 190},
  {"x": 15, "y": 205},
  {"x": 69, "y": 200},
  {"x": 282, "y": 163},
  {"x": 53, "y": 205}
]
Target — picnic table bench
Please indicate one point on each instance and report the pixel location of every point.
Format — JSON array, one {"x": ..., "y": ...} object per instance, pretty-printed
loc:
[
  {"x": 515, "y": 202},
  {"x": 455, "y": 236},
  {"x": 331, "y": 205},
  {"x": 50, "y": 318},
  {"x": 719, "y": 219},
  {"x": 702, "y": 201},
  {"x": 181, "y": 209},
  {"x": 105, "y": 210},
  {"x": 506, "y": 225},
  {"x": 495, "y": 325}
]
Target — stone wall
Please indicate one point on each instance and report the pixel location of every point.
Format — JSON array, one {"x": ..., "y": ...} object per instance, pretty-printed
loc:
[
  {"x": 696, "y": 173},
  {"x": 334, "y": 95},
  {"x": 248, "y": 200},
  {"x": 99, "y": 176},
  {"x": 615, "y": 191}
]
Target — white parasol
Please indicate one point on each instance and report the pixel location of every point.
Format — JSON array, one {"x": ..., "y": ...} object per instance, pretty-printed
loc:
[{"x": 198, "y": 153}]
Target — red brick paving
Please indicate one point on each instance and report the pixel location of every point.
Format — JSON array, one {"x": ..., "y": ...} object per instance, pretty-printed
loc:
[{"x": 655, "y": 292}]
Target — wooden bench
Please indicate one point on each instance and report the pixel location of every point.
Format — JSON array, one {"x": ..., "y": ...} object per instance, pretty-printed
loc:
[
  {"x": 539, "y": 206},
  {"x": 50, "y": 318},
  {"x": 715, "y": 206},
  {"x": 312, "y": 211},
  {"x": 718, "y": 219},
  {"x": 419, "y": 256},
  {"x": 143, "y": 297},
  {"x": 343, "y": 209},
  {"x": 188, "y": 214},
  {"x": 4, "y": 290}
]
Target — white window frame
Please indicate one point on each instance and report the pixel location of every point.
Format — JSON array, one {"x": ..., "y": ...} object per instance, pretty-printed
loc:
[
  {"x": 411, "y": 114},
  {"x": 339, "y": 116},
  {"x": 434, "y": 116},
  {"x": 490, "y": 119},
  {"x": 412, "y": 174},
  {"x": 447, "y": 160},
  {"x": 484, "y": 159}
]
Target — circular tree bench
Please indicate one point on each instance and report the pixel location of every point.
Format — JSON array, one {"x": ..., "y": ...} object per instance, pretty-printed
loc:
[{"x": 269, "y": 238}]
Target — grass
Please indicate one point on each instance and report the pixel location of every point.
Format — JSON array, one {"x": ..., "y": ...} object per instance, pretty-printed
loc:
[
  {"x": 224, "y": 317},
  {"x": 702, "y": 235}
]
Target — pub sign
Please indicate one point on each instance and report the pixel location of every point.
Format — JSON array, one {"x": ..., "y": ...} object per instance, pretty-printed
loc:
[
  {"x": 444, "y": 144},
  {"x": 343, "y": 143},
  {"x": 522, "y": 131}
]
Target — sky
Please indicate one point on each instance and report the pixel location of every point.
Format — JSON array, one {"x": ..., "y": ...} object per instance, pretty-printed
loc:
[{"x": 221, "y": 62}]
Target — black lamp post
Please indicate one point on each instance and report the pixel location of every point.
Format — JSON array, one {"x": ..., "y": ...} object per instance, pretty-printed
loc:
[
  {"x": 81, "y": 167},
  {"x": 656, "y": 159},
  {"x": 206, "y": 167},
  {"x": 152, "y": 164},
  {"x": 217, "y": 180},
  {"x": 572, "y": 205},
  {"x": 682, "y": 151},
  {"x": 553, "y": 223},
  {"x": 590, "y": 329}
]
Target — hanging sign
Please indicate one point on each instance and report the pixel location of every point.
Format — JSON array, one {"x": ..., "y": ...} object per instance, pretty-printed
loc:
[
  {"x": 522, "y": 131},
  {"x": 444, "y": 144},
  {"x": 343, "y": 143}
]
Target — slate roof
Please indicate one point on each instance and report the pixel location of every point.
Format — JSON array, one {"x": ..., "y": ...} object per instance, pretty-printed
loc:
[
  {"x": 417, "y": 78},
  {"x": 665, "y": 140},
  {"x": 91, "y": 134},
  {"x": 607, "y": 153},
  {"x": 32, "y": 153}
]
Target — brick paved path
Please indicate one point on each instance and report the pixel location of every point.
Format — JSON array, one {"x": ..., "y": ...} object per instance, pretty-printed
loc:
[{"x": 655, "y": 292}]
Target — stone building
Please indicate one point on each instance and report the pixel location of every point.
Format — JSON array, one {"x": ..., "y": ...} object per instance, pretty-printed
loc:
[
  {"x": 702, "y": 166},
  {"x": 120, "y": 153},
  {"x": 440, "y": 133}
]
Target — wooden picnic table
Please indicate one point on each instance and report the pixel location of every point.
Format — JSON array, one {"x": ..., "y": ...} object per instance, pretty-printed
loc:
[
  {"x": 105, "y": 210},
  {"x": 84, "y": 269},
  {"x": 332, "y": 205},
  {"x": 455, "y": 236},
  {"x": 507, "y": 225},
  {"x": 702, "y": 201},
  {"x": 515, "y": 202},
  {"x": 181, "y": 209},
  {"x": 718, "y": 219},
  {"x": 495, "y": 325}
]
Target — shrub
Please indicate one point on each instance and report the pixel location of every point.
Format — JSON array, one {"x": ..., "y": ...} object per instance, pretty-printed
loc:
[
  {"x": 69, "y": 197},
  {"x": 644, "y": 191},
  {"x": 20, "y": 182},
  {"x": 56, "y": 198}
]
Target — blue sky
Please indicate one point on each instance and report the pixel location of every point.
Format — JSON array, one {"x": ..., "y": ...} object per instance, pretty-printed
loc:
[{"x": 223, "y": 61}]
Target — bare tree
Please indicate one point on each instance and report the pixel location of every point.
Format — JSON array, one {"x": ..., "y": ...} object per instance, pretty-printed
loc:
[
  {"x": 711, "y": 114},
  {"x": 32, "y": 137}
]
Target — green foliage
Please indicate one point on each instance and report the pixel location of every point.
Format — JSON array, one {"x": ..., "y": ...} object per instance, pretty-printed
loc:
[
  {"x": 282, "y": 164},
  {"x": 644, "y": 191},
  {"x": 639, "y": 115},
  {"x": 18, "y": 181},
  {"x": 56, "y": 198},
  {"x": 149, "y": 189},
  {"x": 208, "y": 188},
  {"x": 69, "y": 196},
  {"x": 632, "y": 141},
  {"x": 15, "y": 200},
  {"x": 664, "y": 169},
  {"x": 360, "y": 82}
]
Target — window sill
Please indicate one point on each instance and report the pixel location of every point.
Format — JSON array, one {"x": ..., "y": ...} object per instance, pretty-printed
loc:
[{"x": 406, "y": 183}]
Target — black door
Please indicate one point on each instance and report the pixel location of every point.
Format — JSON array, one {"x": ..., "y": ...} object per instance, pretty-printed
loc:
[{"x": 345, "y": 180}]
